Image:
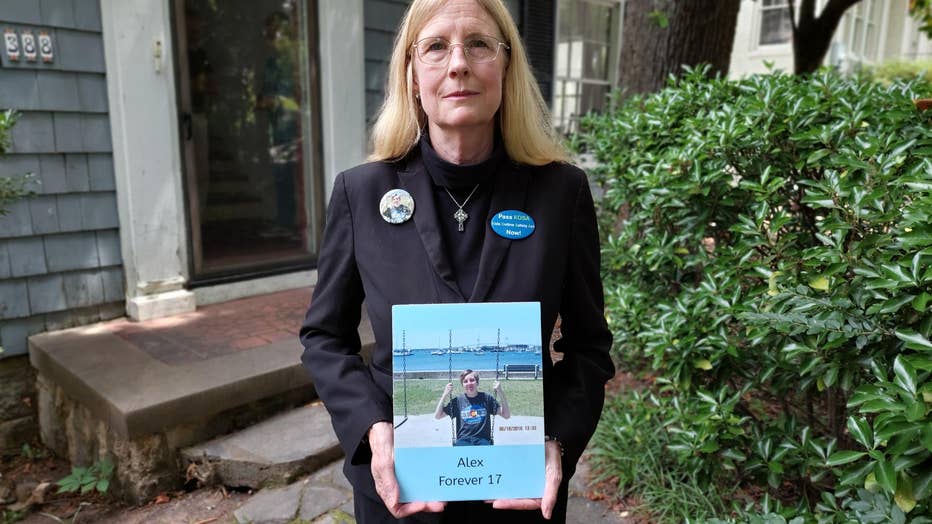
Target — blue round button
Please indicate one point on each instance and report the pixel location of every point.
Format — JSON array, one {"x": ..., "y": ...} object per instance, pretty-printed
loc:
[{"x": 513, "y": 224}]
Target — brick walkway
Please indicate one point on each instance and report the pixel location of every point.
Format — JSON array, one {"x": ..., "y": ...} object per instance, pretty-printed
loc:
[{"x": 218, "y": 329}]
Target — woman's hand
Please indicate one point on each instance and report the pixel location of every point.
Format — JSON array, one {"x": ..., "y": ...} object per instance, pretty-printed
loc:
[
  {"x": 553, "y": 475},
  {"x": 448, "y": 389},
  {"x": 497, "y": 386},
  {"x": 382, "y": 443}
]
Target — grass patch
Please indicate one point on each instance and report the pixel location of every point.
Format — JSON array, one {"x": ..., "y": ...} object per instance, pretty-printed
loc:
[
  {"x": 630, "y": 448},
  {"x": 525, "y": 397}
]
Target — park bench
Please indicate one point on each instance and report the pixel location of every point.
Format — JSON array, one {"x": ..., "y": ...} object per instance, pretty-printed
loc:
[{"x": 522, "y": 369}]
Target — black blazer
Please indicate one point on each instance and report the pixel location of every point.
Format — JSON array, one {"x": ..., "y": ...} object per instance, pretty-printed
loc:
[{"x": 365, "y": 257}]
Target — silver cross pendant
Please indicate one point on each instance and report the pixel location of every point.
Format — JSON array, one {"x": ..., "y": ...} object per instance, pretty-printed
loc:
[{"x": 460, "y": 217}]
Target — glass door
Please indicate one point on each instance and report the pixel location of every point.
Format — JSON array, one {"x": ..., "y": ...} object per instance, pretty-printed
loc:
[{"x": 248, "y": 100}]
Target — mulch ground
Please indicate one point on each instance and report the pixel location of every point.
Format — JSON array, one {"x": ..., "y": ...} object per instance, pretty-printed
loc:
[{"x": 33, "y": 477}]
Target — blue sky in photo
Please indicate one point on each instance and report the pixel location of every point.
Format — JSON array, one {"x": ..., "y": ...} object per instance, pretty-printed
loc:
[{"x": 427, "y": 325}]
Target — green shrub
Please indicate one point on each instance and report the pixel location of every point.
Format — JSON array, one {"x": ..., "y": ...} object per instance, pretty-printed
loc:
[
  {"x": 900, "y": 70},
  {"x": 11, "y": 187},
  {"x": 768, "y": 253},
  {"x": 96, "y": 477},
  {"x": 633, "y": 441}
]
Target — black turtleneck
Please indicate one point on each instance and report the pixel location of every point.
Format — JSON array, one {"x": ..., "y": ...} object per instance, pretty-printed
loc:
[{"x": 463, "y": 248}]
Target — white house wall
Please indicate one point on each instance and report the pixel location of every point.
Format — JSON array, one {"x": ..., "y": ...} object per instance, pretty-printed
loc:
[
  {"x": 899, "y": 39},
  {"x": 747, "y": 57}
]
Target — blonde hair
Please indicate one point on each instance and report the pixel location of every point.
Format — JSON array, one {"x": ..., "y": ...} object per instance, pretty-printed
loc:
[{"x": 524, "y": 118}]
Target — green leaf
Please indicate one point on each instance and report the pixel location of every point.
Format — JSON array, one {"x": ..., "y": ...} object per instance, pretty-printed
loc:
[
  {"x": 817, "y": 155},
  {"x": 894, "y": 304},
  {"x": 885, "y": 475},
  {"x": 660, "y": 18},
  {"x": 819, "y": 283},
  {"x": 703, "y": 364},
  {"x": 844, "y": 457},
  {"x": 921, "y": 363},
  {"x": 880, "y": 405},
  {"x": 914, "y": 340},
  {"x": 915, "y": 267},
  {"x": 856, "y": 475},
  {"x": 892, "y": 429},
  {"x": 860, "y": 430},
  {"x": 103, "y": 485},
  {"x": 734, "y": 454},
  {"x": 922, "y": 486},
  {"x": 904, "y": 375},
  {"x": 870, "y": 481},
  {"x": 904, "y": 494},
  {"x": 921, "y": 301},
  {"x": 926, "y": 437},
  {"x": 896, "y": 272},
  {"x": 915, "y": 411}
]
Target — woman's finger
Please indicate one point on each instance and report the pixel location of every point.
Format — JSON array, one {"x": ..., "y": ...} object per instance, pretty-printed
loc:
[
  {"x": 552, "y": 477},
  {"x": 525, "y": 504},
  {"x": 410, "y": 508}
]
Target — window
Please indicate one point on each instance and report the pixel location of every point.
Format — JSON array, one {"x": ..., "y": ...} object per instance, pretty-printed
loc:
[
  {"x": 775, "y": 24},
  {"x": 586, "y": 59},
  {"x": 863, "y": 35}
]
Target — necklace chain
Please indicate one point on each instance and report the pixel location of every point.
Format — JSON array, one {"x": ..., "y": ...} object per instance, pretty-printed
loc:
[{"x": 460, "y": 216}]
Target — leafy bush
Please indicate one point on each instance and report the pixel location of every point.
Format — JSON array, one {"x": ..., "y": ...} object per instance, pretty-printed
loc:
[
  {"x": 93, "y": 478},
  {"x": 899, "y": 70},
  {"x": 767, "y": 248},
  {"x": 11, "y": 187},
  {"x": 632, "y": 451}
]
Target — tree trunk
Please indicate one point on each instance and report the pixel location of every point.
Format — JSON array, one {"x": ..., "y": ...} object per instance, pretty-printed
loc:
[
  {"x": 660, "y": 36},
  {"x": 812, "y": 35}
]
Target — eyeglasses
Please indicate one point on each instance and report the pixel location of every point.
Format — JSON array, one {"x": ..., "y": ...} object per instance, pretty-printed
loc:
[{"x": 435, "y": 50}]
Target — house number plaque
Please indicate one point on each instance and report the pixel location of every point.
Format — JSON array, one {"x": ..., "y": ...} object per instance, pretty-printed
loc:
[{"x": 27, "y": 47}]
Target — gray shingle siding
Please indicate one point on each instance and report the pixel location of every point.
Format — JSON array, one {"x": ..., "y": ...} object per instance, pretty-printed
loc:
[
  {"x": 15, "y": 332},
  {"x": 60, "y": 261},
  {"x": 27, "y": 257},
  {"x": 380, "y": 19},
  {"x": 4, "y": 263},
  {"x": 18, "y": 11},
  {"x": 43, "y": 210}
]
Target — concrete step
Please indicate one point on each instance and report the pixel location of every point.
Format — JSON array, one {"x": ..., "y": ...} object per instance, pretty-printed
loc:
[
  {"x": 273, "y": 452},
  {"x": 138, "y": 392}
]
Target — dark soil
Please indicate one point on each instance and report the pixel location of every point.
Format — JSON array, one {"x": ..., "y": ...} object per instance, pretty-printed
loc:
[{"x": 20, "y": 475}]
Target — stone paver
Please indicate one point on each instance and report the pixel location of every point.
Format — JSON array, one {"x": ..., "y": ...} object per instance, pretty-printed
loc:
[
  {"x": 275, "y": 451},
  {"x": 318, "y": 500},
  {"x": 272, "y": 505},
  {"x": 311, "y": 498}
]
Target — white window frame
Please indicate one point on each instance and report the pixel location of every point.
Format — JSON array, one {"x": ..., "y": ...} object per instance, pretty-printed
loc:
[
  {"x": 856, "y": 51},
  {"x": 759, "y": 26},
  {"x": 568, "y": 123}
]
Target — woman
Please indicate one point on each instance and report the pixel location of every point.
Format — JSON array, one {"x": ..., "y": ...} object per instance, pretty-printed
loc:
[
  {"x": 465, "y": 132},
  {"x": 473, "y": 410}
]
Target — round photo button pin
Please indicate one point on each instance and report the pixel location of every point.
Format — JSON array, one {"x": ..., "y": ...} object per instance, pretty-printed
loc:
[{"x": 396, "y": 206}]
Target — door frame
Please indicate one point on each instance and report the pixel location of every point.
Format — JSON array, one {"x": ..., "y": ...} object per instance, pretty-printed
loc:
[{"x": 312, "y": 149}]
